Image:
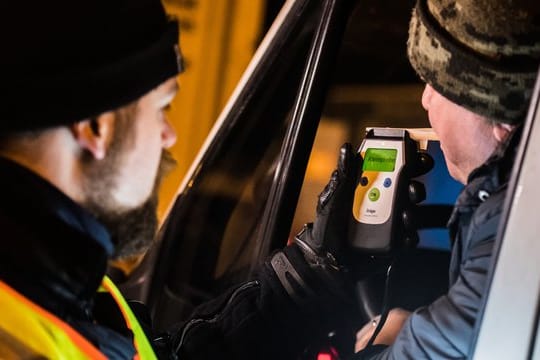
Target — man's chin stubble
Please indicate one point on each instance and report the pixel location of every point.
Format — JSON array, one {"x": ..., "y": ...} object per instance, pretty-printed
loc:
[{"x": 133, "y": 231}]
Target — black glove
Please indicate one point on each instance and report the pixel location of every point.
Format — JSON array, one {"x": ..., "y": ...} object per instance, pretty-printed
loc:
[
  {"x": 324, "y": 240},
  {"x": 310, "y": 269}
]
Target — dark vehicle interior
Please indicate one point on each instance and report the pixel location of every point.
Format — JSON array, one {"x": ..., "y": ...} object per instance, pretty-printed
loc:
[{"x": 326, "y": 71}]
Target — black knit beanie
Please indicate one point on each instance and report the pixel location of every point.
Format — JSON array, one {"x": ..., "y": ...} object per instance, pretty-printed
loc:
[
  {"x": 63, "y": 61},
  {"x": 481, "y": 54}
]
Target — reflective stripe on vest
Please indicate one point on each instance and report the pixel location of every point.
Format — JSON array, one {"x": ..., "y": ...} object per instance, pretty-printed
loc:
[
  {"x": 144, "y": 349},
  {"x": 39, "y": 331},
  {"x": 44, "y": 334}
]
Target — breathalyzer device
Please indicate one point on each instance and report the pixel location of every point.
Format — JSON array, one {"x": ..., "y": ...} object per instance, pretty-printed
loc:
[{"x": 381, "y": 195}]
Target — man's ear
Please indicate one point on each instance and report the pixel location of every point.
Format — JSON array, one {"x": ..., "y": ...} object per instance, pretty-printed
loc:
[
  {"x": 502, "y": 131},
  {"x": 94, "y": 135}
]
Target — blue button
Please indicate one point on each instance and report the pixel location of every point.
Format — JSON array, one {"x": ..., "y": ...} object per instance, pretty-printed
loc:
[{"x": 387, "y": 182}]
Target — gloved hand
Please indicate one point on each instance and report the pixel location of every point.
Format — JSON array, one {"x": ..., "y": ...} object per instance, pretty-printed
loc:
[
  {"x": 310, "y": 270},
  {"x": 324, "y": 240}
]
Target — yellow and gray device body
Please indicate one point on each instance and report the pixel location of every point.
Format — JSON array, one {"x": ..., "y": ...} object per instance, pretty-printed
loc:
[{"x": 381, "y": 194}]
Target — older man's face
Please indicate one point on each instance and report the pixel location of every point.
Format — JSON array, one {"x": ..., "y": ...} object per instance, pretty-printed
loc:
[{"x": 466, "y": 138}]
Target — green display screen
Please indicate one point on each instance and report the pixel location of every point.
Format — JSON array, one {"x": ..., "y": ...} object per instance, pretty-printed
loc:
[{"x": 379, "y": 160}]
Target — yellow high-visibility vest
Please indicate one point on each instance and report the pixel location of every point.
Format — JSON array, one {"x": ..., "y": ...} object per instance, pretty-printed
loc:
[{"x": 28, "y": 330}]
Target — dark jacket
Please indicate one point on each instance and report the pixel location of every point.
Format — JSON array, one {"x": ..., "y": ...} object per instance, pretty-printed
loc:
[
  {"x": 55, "y": 253},
  {"x": 444, "y": 329}
]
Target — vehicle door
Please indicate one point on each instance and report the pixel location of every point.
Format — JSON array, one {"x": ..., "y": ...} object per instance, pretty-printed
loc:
[
  {"x": 508, "y": 326},
  {"x": 319, "y": 78}
]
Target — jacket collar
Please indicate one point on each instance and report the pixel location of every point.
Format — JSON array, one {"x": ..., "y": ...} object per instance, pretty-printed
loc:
[
  {"x": 487, "y": 179},
  {"x": 53, "y": 251}
]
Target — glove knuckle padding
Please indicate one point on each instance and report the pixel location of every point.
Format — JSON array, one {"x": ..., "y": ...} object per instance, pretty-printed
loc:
[{"x": 310, "y": 284}]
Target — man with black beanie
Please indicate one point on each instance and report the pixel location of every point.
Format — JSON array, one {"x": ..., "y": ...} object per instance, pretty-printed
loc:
[
  {"x": 479, "y": 59},
  {"x": 83, "y": 140},
  {"x": 82, "y": 137}
]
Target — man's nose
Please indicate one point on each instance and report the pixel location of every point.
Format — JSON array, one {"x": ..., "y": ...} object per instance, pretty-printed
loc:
[
  {"x": 168, "y": 135},
  {"x": 426, "y": 97}
]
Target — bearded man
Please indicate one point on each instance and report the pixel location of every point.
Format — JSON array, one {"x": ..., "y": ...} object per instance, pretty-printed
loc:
[{"x": 83, "y": 139}]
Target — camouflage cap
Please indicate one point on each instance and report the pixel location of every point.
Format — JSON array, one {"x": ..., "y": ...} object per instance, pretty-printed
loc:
[{"x": 481, "y": 54}]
